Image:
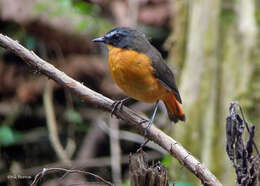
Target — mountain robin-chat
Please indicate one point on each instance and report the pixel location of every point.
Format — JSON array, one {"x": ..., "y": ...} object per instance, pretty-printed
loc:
[{"x": 140, "y": 71}]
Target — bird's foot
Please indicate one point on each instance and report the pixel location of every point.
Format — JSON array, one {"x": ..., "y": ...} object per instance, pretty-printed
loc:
[
  {"x": 118, "y": 103},
  {"x": 147, "y": 127},
  {"x": 149, "y": 122}
]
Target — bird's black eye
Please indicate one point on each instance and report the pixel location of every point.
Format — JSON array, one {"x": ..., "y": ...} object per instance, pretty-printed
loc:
[{"x": 116, "y": 37}]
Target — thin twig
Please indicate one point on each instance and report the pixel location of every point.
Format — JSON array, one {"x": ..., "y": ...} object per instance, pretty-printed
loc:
[
  {"x": 141, "y": 147},
  {"x": 52, "y": 125},
  {"x": 115, "y": 151},
  {"x": 132, "y": 118},
  {"x": 46, "y": 171}
]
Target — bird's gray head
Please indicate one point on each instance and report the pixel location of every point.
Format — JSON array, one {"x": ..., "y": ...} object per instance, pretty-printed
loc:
[{"x": 124, "y": 37}]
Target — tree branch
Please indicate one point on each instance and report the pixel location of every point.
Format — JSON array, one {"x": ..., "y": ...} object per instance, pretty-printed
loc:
[{"x": 154, "y": 134}]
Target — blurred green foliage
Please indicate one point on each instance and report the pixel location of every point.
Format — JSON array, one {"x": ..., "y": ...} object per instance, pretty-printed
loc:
[
  {"x": 86, "y": 8},
  {"x": 127, "y": 183},
  {"x": 257, "y": 15},
  {"x": 8, "y": 136},
  {"x": 85, "y": 16},
  {"x": 30, "y": 42},
  {"x": 181, "y": 183},
  {"x": 73, "y": 116},
  {"x": 167, "y": 160},
  {"x": 227, "y": 16}
]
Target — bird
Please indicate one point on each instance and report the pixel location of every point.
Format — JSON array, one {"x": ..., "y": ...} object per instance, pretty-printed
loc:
[{"x": 138, "y": 68}]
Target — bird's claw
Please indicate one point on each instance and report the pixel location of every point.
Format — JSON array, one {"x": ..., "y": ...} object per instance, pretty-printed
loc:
[
  {"x": 149, "y": 123},
  {"x": 115, "y": 105},
  {"x": 143, "y": 121}
]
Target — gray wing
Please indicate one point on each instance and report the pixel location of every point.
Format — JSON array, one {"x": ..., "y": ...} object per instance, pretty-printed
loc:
[{"x": 163, "y": 73}]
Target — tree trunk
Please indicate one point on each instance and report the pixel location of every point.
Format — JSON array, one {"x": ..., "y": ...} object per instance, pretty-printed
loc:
[{"x": 215, "y": 44}]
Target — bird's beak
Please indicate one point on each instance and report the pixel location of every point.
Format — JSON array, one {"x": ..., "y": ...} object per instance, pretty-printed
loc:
[{"x": 99, "y": 39}]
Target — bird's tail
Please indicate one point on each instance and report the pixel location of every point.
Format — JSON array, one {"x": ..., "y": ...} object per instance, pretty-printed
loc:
[{"x": 173, "y": 107}]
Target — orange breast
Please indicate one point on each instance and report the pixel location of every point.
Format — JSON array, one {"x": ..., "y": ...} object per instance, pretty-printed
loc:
[{"x": 133, "y": 73}]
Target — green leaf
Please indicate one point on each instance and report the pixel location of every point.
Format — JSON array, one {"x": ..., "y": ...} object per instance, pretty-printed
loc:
[
  {"x": 41, "y": 7},
  {"x": 86, "y": 8},
  {"x": 182, "y": 183},
  {"x": 167, "y": 160},
  {"x": 127, "y": 183},
  {"x": 30, "y": 42},
  {"x": 73, "y": 116},
  {"x": 82, "y": 7},
  {"x": 8, "y": 136}
]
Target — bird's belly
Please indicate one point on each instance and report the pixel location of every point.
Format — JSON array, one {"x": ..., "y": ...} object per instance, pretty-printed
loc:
[{"x": 133, "y": 73}]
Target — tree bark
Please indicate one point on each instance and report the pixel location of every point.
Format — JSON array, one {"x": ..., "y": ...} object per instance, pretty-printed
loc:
[
  {"x": 218, "y": 64},
  {"x": 142, "y": 174},
  {"x": 198, "y": 80}
]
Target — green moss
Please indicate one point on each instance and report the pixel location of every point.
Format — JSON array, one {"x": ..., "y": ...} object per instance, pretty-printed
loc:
[
  {"x": 227, "y": 16},
  {"x": 257, "y": 16}
]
